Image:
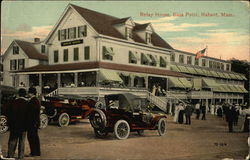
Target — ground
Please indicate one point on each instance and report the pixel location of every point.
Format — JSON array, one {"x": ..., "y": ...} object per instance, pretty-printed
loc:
[{"x": 204, "y": 139}]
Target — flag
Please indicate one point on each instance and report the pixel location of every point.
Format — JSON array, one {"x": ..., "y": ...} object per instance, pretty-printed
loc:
[{"x": 200, "y": 53}]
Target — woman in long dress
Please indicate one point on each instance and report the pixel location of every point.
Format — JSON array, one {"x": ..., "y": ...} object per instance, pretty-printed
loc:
[{"x": 176, "y": 112}]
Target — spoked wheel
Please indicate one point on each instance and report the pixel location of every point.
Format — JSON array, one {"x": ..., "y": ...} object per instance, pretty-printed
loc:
[
  {"x": 100, "y": 133},
  {"x": 98, "y": 119},
  {"x": 140, "y": 132},
  {"x": 43, "y": 121},
  {"x": 63, "y": 120},
  {"x": 3, "y": 124},
  {"x": 161, "y": 127},
  {"x": 121, "y": 129}
]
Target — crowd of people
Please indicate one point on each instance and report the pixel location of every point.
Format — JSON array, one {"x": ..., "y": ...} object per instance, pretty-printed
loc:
[
  {"x": 24, "y": 119},
  {"x": 183, "y": 111}
]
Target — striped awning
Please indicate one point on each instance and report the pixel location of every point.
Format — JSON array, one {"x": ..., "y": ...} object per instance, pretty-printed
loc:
[
  {"x": 174, "y": 82},
  {"x": 183, "y": 69},
  {"x": 191, "y": 70},
  {"x": 175, "y": 68},
  {"x": 209, "y": 83},
  {"x": 185, "y": 82},
  {"x": 108, "y": 75}
]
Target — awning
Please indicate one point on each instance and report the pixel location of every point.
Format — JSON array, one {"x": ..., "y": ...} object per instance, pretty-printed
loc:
[
  {"x": 183, "y": 69},
  {"x": 146, "y": 57},
  {"x": 238, "y": 77},
  {"x": 163, "y": 61},
  {"x": 133, "y": 56},
  {"x": 108, "y": 75},
  {"x": 209, "y": 83},
  {"x": 185, "y": 82},
  {"x": 206, "y": 72},
  {"x": 175, "y": 83},
  {"x": 109, "y": 51},
  {"x": 227, "y": 75},
  {"x": 243, "y": 77},
  {"x": 214, "y": 74},
  {"x": 175, "y": 68},
  {"x": 191, "y": 70},
  {"x": 243, "y": 89},
  {"x": 232, "y": 76},
  {"x": 154, "y": 59},
  {"x": 199, "y": 71},
  {"x": 221, "y": 75}
]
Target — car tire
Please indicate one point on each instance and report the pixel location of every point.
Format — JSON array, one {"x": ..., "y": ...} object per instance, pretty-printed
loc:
[
  {"x": 161, "y": 127},
  {"x": 140, "y": 132},
  {"x": 100, "y": 133},
  {"x": 3, "y": 124},
  {"x": 63, "y": 120},
  {"x": 44, "y": 120},
  {"x": 98, "y": 119},
  {"x": 121, "y": 129}
]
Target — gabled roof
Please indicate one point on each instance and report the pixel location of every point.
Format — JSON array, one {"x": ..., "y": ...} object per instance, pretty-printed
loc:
[
  {"x": 104, "y": 24},
  {"x": 30, "y": 50},
  {"x": 139, "y": 27},
  {"x": 120, "y": 21}
]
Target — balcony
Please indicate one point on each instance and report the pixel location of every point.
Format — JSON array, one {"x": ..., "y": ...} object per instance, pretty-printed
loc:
[{"x": 200, "y": 95}]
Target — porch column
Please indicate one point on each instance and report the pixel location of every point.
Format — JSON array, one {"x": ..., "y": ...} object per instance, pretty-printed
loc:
[
  {"x": 76, "y": 79},
  {"x": 40, "y": 82},
  {"x": 146, "y": 82},
  {"x": 132, "y": 80},
  {"x": 97, "y": 78},
  {"x": 59, "y": 80},
  {"x": 170, "y": 107},
  {"x": 207, "y": 105}
]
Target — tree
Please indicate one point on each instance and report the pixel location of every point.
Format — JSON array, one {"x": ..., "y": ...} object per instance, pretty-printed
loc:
[{"x": 243, "y": 67}]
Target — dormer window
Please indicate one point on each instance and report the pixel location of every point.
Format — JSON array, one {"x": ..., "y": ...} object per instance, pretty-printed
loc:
[
  {"x": 43, "y": 49},
  {"x": 15, "y": 50},
  {"x": 148, "y": 37},
  {"x": 128, "y": 33}
]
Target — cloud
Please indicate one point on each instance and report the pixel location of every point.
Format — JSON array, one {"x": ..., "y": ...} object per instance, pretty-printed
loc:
[
  {"x": 24, "y": 27},
  {"x": 9, "y": 35},
  {"x": 221, "y": 44},
  {"x": 163, "y": 24}
]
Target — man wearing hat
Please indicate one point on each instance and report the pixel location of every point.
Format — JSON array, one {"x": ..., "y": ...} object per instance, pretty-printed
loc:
[
  {"x": 17, "y": 121},
  {"x": 33, "y": 122}
]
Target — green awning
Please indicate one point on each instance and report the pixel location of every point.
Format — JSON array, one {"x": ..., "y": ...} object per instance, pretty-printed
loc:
[
  {"x": 214, "y": 74},
  {"x": 175, "y": 68},
  {"x": 133, "y": 56},
  {"x": 109, "y": 51},
  {"x": 209, "y": 83},
  {"x": 108, "y": 75},
  {"x": 233, "y": 76},
  {"x": 175, "y": 83},
  {"x": 243, "y": 89},
  {"x": 243, "y": 76},
  {"x": 199, "y": 71},
  {"x": 185, "y": 82},
  {"x": 191, "y": 70},
  {"x": 206, "y": 72},
  {"x": 227, "y": 75},
  {"x": 183, "y": 69},
  {"x": 221, "y": 74},
  {"x": 238, "y": 77}
]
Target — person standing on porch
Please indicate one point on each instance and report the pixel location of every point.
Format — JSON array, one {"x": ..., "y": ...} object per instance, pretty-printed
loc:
[
  {"x": 33, "y": 122},
  {"x": 154, "y": 90}
]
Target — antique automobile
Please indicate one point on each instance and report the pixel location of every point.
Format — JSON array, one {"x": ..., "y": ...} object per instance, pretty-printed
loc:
[
  {"x": 65, "y": 109},
  {"x": 8, "y": 94},
  {"x": 125, "y": 113}
]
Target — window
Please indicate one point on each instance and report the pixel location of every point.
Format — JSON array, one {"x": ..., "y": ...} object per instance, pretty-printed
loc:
[
  {"x": 162, "y": 62},
  {"x": 153, "y": 60},
  {"x": 196, "y": 62},
  {"x": 21, "y": 64},
  {"x": 132, "y": 58},
  {"x": 62, "y": 34},
  {"x": 148, "y": 37},
  {"x": 210, "y": 64},
  {"x": 189, "y": 60},
  {"x": 222, "y": 66},
  {"x": 107, "y": 53},
  {"x": 204, "y": 62},
  {"x": 144, "y": 59},
  {"x": 172, "y": 57},
  {"x": 227, "y": 67},
  {"x": 56, "y": 56},
  {"x": 218, "y": 65},
  {"x": 43, "y": 49},
  {"x": 65, "y": 55},
  {"x": 128, "y": 32},
  {"x": 15, "y": 50},
  {"x": 72, "y": 33},
  {"x": 13, "y": 64},
  {"x": 76, "y": 54},
  {"x": 82, "y": 31},
  {"x": 86, "y": 52},
  {"x": 214, "y": 65},
  {"x": 181, "y": 58}
]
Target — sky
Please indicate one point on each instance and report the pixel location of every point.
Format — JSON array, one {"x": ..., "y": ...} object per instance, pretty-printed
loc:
[{"x": 221, "y": 26}]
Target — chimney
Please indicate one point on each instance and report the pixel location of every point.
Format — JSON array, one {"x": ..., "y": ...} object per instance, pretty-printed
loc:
[{"x": 36, "y": 40}]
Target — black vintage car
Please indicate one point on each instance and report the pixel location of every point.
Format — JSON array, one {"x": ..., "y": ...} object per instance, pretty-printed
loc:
[
  {"x": 125, "y": 113},
  {"x": 64, "y": 109}
]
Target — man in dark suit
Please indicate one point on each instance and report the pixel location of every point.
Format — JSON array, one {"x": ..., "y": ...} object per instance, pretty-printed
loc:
[
  {"x": 17, "y": 121},
  {"x": 33, "y": 122}
]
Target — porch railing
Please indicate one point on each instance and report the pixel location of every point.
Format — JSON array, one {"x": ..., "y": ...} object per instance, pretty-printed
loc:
[
  {"x": 55, "y": 92},
  {"x": 161, "y": 104}
]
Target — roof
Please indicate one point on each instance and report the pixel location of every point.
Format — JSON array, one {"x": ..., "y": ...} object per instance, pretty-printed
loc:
[
  {"x": 30, "y": 50},
  {"x": 119, "y": 21},
  {"x": 105, "y": 65},
  {"x": 104, "y": 24},
  {"x": 141, "y": 26}
]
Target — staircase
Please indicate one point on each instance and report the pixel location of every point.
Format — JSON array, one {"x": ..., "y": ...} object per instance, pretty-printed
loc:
[{"x": 161, "y": 104}]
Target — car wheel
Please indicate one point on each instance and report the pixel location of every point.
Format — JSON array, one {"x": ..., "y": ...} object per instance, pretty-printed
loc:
[
  {"x": 63, "y": 120},
  {"x": 121, "y": 129},
  {"x": 43, "y": 121},
  {"x": 3, "y": 124},
  {"x": 98, "y": 119},
  {"x": 161, "y": 127},
  {"x": 140, "y": 132},
  {"x": 100, "y": 133}
]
